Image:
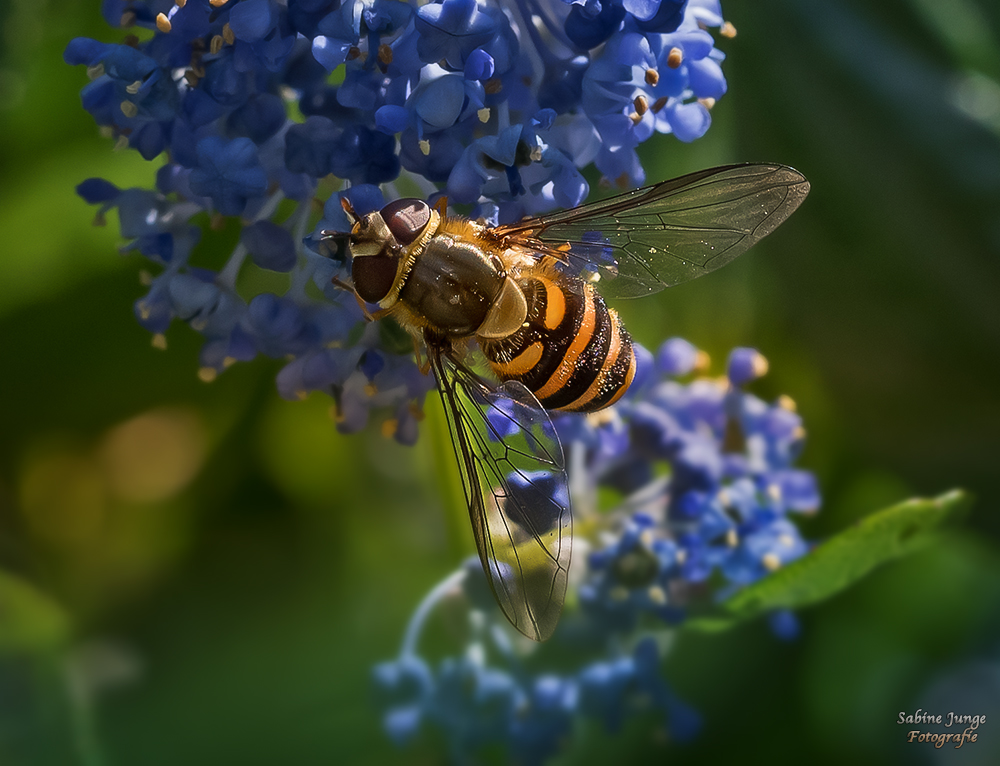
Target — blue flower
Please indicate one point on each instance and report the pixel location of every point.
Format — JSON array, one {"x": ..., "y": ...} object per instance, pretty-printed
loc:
[
  {"x": 238, "y": 101},
  {"x": 229, "y": 172},
  {"x": 262, "y": 109},
  {"x": 452, "y": 29},
  {"x": 705, "y": 514},
  {"x": 271, "y": 246}
]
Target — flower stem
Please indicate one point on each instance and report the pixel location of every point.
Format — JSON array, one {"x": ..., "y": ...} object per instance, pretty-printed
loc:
[{"x": 416, "y": 625}]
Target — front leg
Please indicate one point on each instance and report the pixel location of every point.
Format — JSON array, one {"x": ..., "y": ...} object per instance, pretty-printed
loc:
[
  {"x": 424, "y": 365},
  {"x": 370, "y": 316}
]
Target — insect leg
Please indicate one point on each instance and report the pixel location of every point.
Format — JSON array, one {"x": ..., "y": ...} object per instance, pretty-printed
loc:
[
  {"x": 423, "y": 364},
  {"x": 370, "y": 316}
]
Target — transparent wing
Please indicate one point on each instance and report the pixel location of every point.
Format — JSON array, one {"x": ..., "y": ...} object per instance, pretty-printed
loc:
[
  {"x": 644, "y": 240},
  {"x": 514, "y": 478}
]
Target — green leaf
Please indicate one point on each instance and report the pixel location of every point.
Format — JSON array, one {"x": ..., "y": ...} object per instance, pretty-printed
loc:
[
  {"x": 840, "y": 561},
  {"x": 29, "y": 620}
]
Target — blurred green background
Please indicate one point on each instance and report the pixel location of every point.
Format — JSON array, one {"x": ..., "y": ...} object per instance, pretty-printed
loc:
[{"x": 203, "y": 573}]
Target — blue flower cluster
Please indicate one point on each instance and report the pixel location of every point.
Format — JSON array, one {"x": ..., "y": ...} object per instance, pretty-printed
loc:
[
  {"x": 706, "y": 474},
  {"x": 264, "y": 108}
]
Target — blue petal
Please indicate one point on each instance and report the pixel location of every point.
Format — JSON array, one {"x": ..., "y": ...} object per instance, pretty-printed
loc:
[
  {"x": 676, "y": 357},
  {"x": 440, "y": 103},
  {"x": 309, "y": 146},
  {"x": 667, "y": 18},
  {"x": 84, "y": 50},
  {"x": 642, "y": 9},
  {"x": 785, "y": 624},
  {"x": 261, "y": 117},
  {"x": 402, "y": 724},
  {"x": 452, "y": 29},
  {"x": 329, "y": 51},
  {"x": 365, "y": 156},
  {"x": 689, "y": 121},
  {"x": 745, "y": 365},
  {"x": 251, "y": 20},
  {"x": 705, "y": 78},
  {"x": 391, "y": 119},
  {"x": 270, "y": 245},
  {"x": 97, "y": 190},
  {"x": 190, "y": 296},
  {"x": 479, "y": 65},
  {"x": 587, "y": 31},
  {"x": 502, "y": 147}
]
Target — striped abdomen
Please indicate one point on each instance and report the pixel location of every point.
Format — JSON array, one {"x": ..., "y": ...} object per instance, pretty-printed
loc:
[{"x": 572, "y": 352}]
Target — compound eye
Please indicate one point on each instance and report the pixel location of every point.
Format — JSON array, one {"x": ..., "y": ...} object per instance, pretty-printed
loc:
[
  {"x": 406, "y": 218},
  {"x": 374, "y": 275}
]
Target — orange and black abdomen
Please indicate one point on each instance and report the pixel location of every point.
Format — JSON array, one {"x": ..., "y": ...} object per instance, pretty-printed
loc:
[{"x": 573, "y": 352}]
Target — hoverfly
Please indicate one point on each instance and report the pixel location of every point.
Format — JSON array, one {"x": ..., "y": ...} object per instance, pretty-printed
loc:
[{"x": 526, "y": 294}]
